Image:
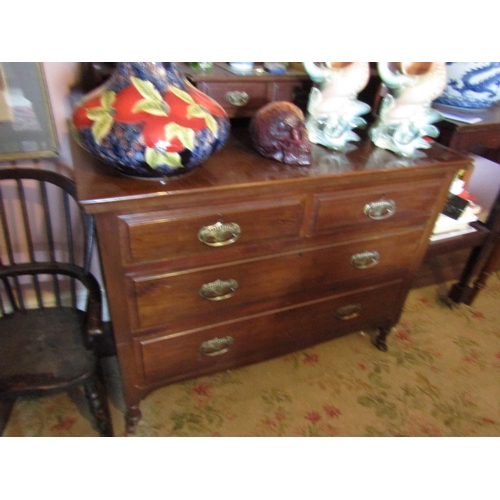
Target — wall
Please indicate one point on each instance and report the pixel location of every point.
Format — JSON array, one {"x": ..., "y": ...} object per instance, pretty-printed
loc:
[{"x": 60, "y": 77}]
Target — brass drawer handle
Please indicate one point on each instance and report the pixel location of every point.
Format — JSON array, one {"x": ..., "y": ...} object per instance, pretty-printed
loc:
[
  {"x": 216, "y": 347},
  {"x": 219, "y": 290},
  {"x": 348, "y": 312},
  {"x": 364, "y": 260},
  {"x": 237, "y": 98},
  {"x": 379, "y": 210},
  {"x": 219, "y": 234}
]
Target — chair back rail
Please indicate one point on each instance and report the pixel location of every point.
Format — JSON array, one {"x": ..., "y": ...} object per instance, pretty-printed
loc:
[
  {"x": 41, "y": 221},
  {"x": 50, "y": 302}
]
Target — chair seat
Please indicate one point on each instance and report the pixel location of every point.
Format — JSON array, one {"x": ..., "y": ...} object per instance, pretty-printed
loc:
[{"x": 43, "y": 350}]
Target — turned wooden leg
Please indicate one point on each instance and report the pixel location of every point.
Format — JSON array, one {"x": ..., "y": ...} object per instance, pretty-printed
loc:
[
  {"x": 97, "y": 398},
  {"x": 460, "y": 293},
  {"x": 132, "y": 418},
  {"x": 133, "y": 413},
  {"x": 380, "y": 340},
  {"x": 6, "y": 406},
  {"x": 491, "y": 265}
]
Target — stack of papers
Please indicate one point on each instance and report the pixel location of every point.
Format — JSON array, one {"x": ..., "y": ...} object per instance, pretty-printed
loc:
[{"x": 459, "y": 115}]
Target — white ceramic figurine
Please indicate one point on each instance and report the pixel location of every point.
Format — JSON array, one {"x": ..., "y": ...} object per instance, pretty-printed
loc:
[
  {"x": 405, "y": 116},
  {"x": 333, "y": 108}
]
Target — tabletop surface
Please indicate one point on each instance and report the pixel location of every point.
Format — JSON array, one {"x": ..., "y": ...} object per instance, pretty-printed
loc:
[
  {"x": 237, "y": 164},
  {"x": 490, "y": 117}
]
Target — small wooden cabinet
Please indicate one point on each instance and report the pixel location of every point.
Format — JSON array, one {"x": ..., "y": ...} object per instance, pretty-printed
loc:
[
  {"x": 241, "y": 95},
  {"x": 247, "y": 258}
]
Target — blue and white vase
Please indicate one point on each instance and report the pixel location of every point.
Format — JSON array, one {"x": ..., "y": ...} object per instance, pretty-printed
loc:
[{"x": 471, "y": 85}]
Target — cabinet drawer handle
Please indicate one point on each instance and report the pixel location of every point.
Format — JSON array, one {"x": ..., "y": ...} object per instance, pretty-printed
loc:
[
  {"x": 219, "y": 290},
  {"x": 348, "y": 312},
  {"x": 216, "y": 347},
  {"x": 219, "y": 234},
  {"x": 237, "y": 98},
  {"x": 365, "y": 260},
  {"x": 379, "y": 210}
]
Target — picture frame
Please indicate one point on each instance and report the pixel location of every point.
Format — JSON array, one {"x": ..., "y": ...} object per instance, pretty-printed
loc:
[{"x": 27, "y": 128}]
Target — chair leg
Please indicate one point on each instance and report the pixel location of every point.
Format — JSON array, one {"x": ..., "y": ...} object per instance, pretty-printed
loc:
[
  {"x": 6, "y": 406},
  {"x": 98, "y": 402}
]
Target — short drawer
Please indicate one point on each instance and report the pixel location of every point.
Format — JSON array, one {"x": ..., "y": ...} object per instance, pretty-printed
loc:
[
  {"x": 166, "y": 235},
  {"x": 377, "y": 208},
  {"x": 238, "y": 98},
  {"x": 197, "y": 352},
  {"x": 224, "y": 293}
]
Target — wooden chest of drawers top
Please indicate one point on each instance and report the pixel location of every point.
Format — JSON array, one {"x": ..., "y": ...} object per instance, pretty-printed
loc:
[
  {"x": 251, "y": 206},
  {"x": 237, "y": 172}
]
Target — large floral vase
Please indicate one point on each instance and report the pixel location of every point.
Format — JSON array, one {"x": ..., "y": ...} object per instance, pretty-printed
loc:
[
  {"x": 148, "y": 121},
  {"x": 471, "y": 85}
]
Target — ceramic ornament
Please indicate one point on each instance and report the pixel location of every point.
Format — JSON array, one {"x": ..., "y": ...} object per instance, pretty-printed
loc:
[
  {"x": 405, "y": 116},
  {"x": 333, "y": 108},
  {"x": 148, "y": 121}
]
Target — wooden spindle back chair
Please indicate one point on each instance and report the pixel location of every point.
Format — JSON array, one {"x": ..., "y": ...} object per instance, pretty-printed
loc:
[{"x": 50, "y": 303}]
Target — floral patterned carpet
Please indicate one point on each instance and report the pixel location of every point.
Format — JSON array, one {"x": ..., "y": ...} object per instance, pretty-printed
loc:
[{"x": 440, "y": 377}]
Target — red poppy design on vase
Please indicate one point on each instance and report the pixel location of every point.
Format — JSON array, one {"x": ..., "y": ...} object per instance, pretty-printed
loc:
[
  {"x": 205, "y": 101},
  {"x": 177, "y": 126},
  {"x": 80, "y": 117}
]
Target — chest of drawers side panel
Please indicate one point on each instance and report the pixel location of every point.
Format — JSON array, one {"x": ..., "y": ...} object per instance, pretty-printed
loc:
[
  {"x": 443, "y": 180},
  {"x": 110, "y": 244}
]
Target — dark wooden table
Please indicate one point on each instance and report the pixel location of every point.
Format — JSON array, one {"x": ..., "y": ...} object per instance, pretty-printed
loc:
[{"x": 482, "y": 138}]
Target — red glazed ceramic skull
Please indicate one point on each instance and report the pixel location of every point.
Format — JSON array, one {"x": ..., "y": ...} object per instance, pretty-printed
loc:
[{"x": 278, "y": 131}]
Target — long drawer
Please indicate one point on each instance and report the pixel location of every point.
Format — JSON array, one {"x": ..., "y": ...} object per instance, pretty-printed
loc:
[
  {"x": 227, "y": 231},
  {"x": 225, "y": 292},
  {"x": 192, "y": 353}
]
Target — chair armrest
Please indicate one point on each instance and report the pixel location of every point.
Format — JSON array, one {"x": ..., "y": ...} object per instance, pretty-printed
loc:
[
  {"x": 94, "y": 317},
  {"x": 94, "y": 303}
]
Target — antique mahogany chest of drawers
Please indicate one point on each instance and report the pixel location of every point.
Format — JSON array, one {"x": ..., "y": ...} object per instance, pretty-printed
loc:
[{"x": 247, "y": 258}]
